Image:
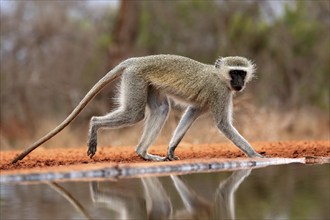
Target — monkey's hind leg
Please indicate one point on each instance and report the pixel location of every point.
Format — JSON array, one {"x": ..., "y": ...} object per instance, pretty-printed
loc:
[
  {"x": 116, "y": 119},
  {"x": 158, "y": 112},
  {"x": 188, "y": 118},
  {"x": 133, "y": 100}
]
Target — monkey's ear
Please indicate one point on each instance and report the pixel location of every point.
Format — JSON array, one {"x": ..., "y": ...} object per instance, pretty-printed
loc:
[{"x": 218, "y": 63}]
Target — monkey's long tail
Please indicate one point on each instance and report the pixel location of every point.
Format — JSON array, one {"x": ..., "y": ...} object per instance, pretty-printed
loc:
[{"x": 109, "y": 77}]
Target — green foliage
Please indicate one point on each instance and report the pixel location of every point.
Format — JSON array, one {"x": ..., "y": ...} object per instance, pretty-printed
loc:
[
  {"x": 145, "y": 38},
  {"x": 187, "y": 9},
  {"x": 291, "y": 50},
  {"x": 303, "y": 30},
  {"x": 305, "y": 59},
  {"x": 104, "y": 40},
  {"x": 255, "y": 33}
]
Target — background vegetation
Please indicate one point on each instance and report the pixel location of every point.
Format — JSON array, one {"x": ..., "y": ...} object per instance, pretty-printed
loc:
[{"x": 52, "y": 52}]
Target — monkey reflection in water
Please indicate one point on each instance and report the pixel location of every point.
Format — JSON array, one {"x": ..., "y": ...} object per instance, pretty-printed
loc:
[{"x": 156, "y": 204}]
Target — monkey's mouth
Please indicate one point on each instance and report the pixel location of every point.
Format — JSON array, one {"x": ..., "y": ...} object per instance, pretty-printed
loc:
[{"x": 236, "y": 88}]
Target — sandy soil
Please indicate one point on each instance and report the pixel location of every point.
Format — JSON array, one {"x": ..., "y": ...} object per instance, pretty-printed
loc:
[{"x": 59, "y": 158}]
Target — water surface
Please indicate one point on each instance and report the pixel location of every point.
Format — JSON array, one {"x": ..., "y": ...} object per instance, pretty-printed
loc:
[{"x": 294, "y": 191}]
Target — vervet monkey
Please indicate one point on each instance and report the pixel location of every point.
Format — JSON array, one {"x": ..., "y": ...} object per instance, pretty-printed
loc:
[{"x": 149, "y": 82}]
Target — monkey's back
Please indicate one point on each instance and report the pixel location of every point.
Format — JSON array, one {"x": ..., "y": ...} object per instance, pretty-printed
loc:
[{"x": 178, "y": 76}]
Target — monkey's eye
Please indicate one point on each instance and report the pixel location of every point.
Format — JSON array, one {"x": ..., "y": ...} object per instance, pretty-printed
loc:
[
  {"x": 234, "y": 73},
  {"x": 242, "y": 73}
]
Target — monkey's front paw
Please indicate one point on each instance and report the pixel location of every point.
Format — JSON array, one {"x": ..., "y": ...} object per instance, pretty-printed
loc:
[{"x": 91, "y": 149}]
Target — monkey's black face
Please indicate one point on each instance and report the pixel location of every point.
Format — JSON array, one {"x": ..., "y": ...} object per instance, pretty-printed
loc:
[{"x": 237, "y": 79}]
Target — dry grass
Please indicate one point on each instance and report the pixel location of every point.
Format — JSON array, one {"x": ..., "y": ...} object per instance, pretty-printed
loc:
[{"x": 256, "y": 124}]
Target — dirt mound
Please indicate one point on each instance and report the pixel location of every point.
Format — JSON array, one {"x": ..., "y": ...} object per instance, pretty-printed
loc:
[{"x": 63, "y": 157}]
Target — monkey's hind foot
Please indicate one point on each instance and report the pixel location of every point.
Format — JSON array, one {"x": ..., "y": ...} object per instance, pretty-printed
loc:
[
  {"x": 172, "y": 157},
  {"x": 152, "y": 157},
  {"x": 256, "y": 155},
  {"x": 91, "y": 149},
  {"x": 170, "y": 154}
]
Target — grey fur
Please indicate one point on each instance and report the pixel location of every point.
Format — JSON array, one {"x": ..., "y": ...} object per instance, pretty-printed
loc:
[{"x": 148, "y": 82}]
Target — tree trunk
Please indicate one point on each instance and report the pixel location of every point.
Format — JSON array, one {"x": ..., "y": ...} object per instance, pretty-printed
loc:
[{"x": 125, "y": 31}]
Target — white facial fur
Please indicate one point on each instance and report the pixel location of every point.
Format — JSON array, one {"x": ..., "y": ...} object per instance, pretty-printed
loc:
[{"x": 225, "y": 64}]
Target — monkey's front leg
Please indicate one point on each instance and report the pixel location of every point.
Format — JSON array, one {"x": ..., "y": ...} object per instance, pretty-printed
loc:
[
  {"x": 232, "y": 134},
  {"x": 190, "y": 115}
]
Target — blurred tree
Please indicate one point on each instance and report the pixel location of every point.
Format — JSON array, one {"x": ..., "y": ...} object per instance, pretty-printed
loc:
[
  {"x": 125, "y": 31},
  {"x": 302, "y": 65},
  {"x": 123, "y": 36},
  {"x": 45, "y": 46}
]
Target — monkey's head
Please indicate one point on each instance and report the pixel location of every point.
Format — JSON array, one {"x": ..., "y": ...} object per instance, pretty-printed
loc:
[{"x": 235, "y": 71}]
